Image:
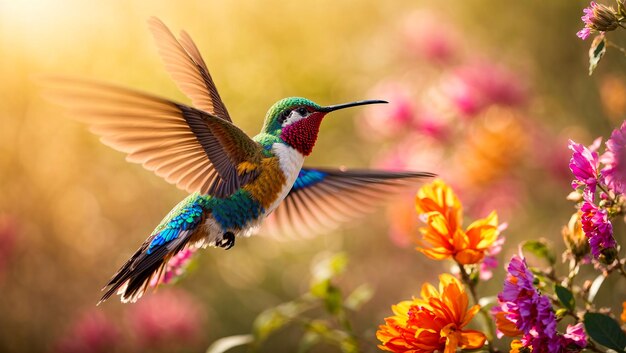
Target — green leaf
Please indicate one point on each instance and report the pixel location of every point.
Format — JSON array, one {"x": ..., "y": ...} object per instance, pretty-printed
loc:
[
  {"x": 308, "y": 341},
  {"x": 540, "y": 249},
  {"x": 361, "y": 295},
  {"x": 596, "y": 52},
  {"x": 329, "y": 267},
  {"x": 226, "y": 343},
  {"x": 606, "y": 331},
  {"x": 565, "y": 297},
  {"x": 275, "y": 318},
  {"x": 333, "y": 300}
]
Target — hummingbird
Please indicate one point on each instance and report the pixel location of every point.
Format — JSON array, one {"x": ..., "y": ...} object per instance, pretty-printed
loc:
[{"x": 234, "y": 181}]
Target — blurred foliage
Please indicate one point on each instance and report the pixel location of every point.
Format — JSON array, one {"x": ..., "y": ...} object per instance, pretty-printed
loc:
[{"x": 77, "y": 210}]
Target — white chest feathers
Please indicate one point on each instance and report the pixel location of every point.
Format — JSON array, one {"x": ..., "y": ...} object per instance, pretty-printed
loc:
[{"x": 290, "y": 162}]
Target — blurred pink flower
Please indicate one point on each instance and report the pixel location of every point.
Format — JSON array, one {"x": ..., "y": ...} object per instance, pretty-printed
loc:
[
  {"x": 8, "y": 237},
  {"x": 167, "y": 318},
  {"x": 91, "y": 332},
  {"x": 473, "y": 87},
  {"x": 175, "y": 267},
  {"x": 614, "y": 159},
  {"x": 428, "y": 36},
  {"x": 387, "y": 120}
]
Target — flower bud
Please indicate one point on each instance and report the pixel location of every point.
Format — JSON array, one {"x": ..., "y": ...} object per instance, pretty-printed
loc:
[
  {"x": 575, "y": 238},
  {"x": 604, "y": 18}
]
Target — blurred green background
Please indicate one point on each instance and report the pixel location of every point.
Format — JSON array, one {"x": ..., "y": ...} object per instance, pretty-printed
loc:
[{"x": 72, "y": 210}]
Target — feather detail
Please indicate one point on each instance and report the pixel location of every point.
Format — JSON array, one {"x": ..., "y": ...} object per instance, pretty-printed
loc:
[
  {"x": 321, "y": 199},
  {"x": 185, "y": 64},
  {"x": 193, "y": 149}
]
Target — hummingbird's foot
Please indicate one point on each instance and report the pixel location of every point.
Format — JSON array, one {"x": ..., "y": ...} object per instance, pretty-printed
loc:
[{"x": 227, "y": 241}]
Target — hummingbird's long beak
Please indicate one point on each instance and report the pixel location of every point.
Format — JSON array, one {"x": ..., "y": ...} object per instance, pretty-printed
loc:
[{"x": 331, "y": 108}]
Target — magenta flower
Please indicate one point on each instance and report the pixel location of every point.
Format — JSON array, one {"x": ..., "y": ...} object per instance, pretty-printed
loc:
[
  {"x": 175, "y": 267},
  {"x": 474, "y": 87},
  {"x": 584, "y": 165},
  {"x": 576, "y": 334},
  {"x": 522, "y": 310},
  {"x": 614, "y": 160},
  {"x": 428, "y": 36},
  {"x": 587, "y": 20},
  {"x": 597, "y": 18},
  {"x": 389, "y": 120},
  {"x": 92, "y": 332},
  {"x": 167, "y": 318},
  {"x": 597, "y": 227}
]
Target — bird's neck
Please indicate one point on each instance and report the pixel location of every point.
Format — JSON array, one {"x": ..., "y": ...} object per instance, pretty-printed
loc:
[{"x": 302, "y": 134}]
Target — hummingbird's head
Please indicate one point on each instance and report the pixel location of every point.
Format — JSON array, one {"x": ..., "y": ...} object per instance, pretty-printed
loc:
[{"x": 297, "y": 120}]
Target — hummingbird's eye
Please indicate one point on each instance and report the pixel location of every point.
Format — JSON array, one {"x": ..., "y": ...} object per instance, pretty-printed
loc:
[
  {"x": 283, "y": 116},
  {"x": 302, "y": 111}
]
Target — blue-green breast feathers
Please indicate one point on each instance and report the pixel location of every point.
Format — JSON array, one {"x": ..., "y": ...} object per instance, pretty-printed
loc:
[{"x": 233, "y": 212}]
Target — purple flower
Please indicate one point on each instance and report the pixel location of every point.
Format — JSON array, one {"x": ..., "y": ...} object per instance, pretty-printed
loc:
[
  {"x": 587, "y": 20},
  {"x": 614, "y": 160},
  {"x": 597, "y": 227},
  {"x": 584, "y": 165},
  {"x": 523, "y": 310},
  {"x": 597, "y": 18}
]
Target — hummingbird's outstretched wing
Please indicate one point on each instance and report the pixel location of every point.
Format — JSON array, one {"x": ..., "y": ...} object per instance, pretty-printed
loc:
[
  {"x": 188, "y": 147},
  {"x": 322, "y": 198},
  {"x": 185, "y": 64}
]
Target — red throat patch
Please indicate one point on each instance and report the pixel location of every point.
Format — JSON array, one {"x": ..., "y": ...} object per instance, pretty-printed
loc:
[{"x": 302, "y": 134}]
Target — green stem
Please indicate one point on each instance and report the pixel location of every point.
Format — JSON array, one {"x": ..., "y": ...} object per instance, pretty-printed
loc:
[{"x": 487, "y": 322}]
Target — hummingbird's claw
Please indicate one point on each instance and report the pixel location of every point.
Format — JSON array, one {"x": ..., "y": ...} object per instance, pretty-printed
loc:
[{"x": 227, "y": 241}]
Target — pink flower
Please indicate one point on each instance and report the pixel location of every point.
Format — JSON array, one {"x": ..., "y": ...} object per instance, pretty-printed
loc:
[
  {"x": 91, "y": 332},
  {"x": 168, "y": 317},
  {"x": 474, "y": 87},
  {"x": 576, "y": 334},
  {"x": 587, "y": 20},
  {"x": 428, "y": 36},
  {"x": 8, "y": 236},
  {"x": 388, "y": 120},
  {"x": 614, "y": 160},
  {"x": 597, "y": 18},
  {"x": 175, "y": 267},
  {"x": 597, "y": 228},
  {"x": 584, "y": 165}
]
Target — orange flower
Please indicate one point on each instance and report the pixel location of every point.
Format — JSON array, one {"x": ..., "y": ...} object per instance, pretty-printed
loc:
[
  {"x": 443, "y": 236},
  {"x": 433, "y": 323},
  {"x": 623, "y": 316}
]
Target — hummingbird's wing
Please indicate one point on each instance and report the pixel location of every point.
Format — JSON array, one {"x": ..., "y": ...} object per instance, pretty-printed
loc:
[
  {"x": 321, "y": 199},
  {"x": 185, "y": 64},
  {"x": 188, "y": 147}
]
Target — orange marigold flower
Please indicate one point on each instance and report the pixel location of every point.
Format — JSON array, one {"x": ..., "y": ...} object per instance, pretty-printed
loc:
[
  {"x": 443, "y": 236},
  {"x": 433, "y": 323}
]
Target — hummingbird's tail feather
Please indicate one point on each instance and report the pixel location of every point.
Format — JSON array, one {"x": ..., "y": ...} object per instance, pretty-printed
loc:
[{"x": 144, "y": 268}]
